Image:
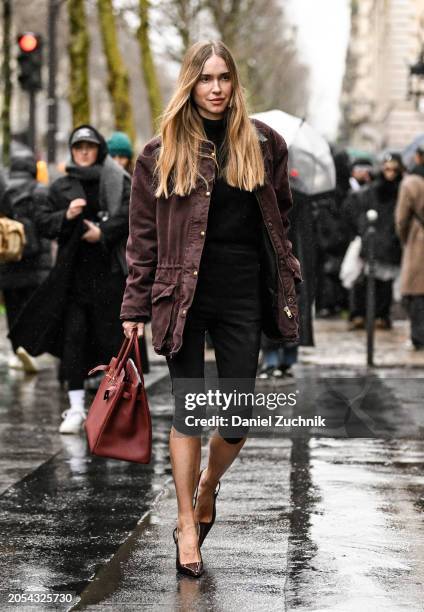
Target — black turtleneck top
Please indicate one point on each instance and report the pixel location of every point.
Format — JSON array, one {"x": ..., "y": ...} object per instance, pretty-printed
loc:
[{"x": 234, "y": 215}]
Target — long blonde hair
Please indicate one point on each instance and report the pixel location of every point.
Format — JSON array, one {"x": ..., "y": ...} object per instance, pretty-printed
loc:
[{"x": 182, "y": 133}]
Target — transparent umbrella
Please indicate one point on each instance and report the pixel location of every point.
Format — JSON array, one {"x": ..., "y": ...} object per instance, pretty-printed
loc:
[
  {"x": 409, "y": 151},
  {"x": 311, "y": 166}
]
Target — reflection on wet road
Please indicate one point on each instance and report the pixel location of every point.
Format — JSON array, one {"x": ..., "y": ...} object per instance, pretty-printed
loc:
[
  {"x": 302, "y": 524},
  {"x": 357, "y": 543}
]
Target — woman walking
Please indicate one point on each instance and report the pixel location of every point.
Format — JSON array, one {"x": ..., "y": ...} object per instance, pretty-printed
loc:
[
  {"x": 75, "y": 312},
  {"x": 208, "y": 250}
]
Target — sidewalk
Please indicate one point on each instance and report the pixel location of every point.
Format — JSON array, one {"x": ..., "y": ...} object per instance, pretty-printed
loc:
[
  {"x": 303, "y": 524},
  {"x": 245, "y": 554},
  {"x": 324, "y": 525},
  {"x": 336, "y": 346}
]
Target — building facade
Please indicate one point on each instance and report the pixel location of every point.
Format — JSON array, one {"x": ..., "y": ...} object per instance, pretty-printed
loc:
[{"x": 386, "y": 38}]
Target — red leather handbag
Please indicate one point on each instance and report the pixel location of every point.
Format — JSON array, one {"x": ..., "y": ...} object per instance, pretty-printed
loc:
[{"x": 118, "y": 424}]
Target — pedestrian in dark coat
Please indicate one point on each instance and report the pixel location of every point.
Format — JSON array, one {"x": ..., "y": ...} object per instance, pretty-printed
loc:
[
  {"x": 75, "y": 313},
  {"x": 331, "y": 297},
  {"x": 19, "y": 280},
  {"x": 381, "y": 195},
  {"x": 208, "y": 250}
]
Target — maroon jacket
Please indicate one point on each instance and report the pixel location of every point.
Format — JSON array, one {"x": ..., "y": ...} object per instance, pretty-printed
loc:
[{"x": 167, "y": 237}]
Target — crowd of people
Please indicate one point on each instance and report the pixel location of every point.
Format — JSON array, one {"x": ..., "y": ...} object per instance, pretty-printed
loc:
[
  {"x": 396, "y": 194},
  {"x": 64, "y": 295}
]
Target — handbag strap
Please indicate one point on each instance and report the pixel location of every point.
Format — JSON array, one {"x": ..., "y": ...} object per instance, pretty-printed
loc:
[
  {"x": 122, "y": 350},
  {"x": 124, "y": 353},
  {"x": 137, "y": 356},
  {"x": 128, "y": 345}
]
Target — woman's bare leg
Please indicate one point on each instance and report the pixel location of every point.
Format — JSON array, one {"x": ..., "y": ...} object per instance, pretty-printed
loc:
[
  {"x": 185, "y": 453},
  {"x": 221, "y": 456}
]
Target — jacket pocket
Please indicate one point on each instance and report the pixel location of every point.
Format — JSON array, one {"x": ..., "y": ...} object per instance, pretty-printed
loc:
[{"x": 163, "y": 302}]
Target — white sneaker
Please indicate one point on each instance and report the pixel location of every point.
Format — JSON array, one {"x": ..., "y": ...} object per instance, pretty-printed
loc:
[
  {"x": 73, "y": 420},
  {"x": 28, "y": 363},
  {"x": 14, "y": 362}
]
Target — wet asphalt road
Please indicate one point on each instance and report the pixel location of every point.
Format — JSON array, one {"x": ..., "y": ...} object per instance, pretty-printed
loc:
[{"x": 323, "y": 524}]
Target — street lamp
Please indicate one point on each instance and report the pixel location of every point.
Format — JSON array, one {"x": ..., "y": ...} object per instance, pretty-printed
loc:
[
  {"x": 416, "y": 80},
  {"x": 372, "y": 217}
]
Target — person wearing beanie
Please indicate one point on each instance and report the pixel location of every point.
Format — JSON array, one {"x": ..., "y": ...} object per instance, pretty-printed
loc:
[
  {"x": 120, "y": 149},
  {"x": 74, "y": 314}
]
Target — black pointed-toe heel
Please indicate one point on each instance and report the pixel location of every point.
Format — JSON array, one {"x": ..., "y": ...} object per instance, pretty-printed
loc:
[
  {"x": 195, "y": 570},
  {"x": 204, "y": 528}
]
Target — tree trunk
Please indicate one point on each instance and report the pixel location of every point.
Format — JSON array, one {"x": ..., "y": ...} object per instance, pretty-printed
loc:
[
  {"x": 7, "y": 80},
  {"x": 79, "y": 46},
  {"x": 118, "y": 81},
  {"x": 149, "y": 73}
]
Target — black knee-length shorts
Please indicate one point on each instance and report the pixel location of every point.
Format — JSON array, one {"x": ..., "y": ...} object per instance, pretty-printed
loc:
[{"x": 226, "y": 304}]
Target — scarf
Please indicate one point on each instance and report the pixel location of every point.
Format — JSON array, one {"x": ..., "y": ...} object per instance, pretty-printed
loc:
[
  {"x": 111, "y": 177},
  {"x": 84, "y": 173}
]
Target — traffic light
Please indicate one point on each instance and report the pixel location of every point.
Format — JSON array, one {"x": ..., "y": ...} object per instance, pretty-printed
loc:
[{"x": 30, "y": 61}]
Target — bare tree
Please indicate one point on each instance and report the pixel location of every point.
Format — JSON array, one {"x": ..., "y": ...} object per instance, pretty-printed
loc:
[
  {"x": 7, "y": 80},
  {"x": 149, "y": 72},
  {"x": 118, "y": 81},
  {"x": 79, "y": 47},
  {"x": 265, "y": 49},
  {"x": 183, "y": 17},
  {"x": 228, "y": 16}
]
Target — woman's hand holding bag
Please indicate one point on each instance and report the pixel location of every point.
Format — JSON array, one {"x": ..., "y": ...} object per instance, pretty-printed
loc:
[{"x": 130, "y": 326}]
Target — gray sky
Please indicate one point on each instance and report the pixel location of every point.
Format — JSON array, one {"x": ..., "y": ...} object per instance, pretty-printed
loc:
[{"x": 323, "y": 33}]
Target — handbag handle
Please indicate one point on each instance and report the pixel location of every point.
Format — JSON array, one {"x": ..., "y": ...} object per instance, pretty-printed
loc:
[
  {"x": 124, "y": 351},
  {"x": 119, "y": 361},
  {"x": 127, "y": 346},
  {"x": 137, "y": 356}
]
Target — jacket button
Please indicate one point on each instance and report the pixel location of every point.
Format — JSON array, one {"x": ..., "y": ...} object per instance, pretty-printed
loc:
[
  {"x": 195, "y": 273},
  {"x": 184, "y": 312},
  {"x": 290, "y": 300},
  {"x": 208, "y": 193},
  {"x": 269, "y": 223},
  {"x": 213, "y": 153},
  {"x": 202, "y": 233}
]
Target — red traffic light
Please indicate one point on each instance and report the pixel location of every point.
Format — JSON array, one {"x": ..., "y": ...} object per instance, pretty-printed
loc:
[{"x": 28, "y": 42}]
